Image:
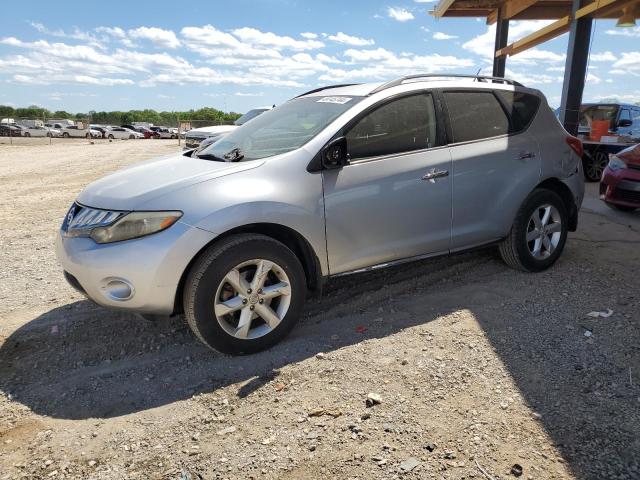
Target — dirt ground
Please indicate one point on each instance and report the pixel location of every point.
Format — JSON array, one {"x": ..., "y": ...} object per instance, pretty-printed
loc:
[{"x": 479, "y": 369}]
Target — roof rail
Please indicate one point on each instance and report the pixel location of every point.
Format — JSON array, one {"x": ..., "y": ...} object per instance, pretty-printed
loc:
[
  {"x": 479, "y": 78},
  {"x": 325, "y": 88}
]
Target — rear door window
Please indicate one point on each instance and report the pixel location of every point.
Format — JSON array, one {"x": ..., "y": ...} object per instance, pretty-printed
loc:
[
  {"x": 402, "y": 125},
  {"x": 475, "y": 116},
  {"x": 522, "y": 108}
]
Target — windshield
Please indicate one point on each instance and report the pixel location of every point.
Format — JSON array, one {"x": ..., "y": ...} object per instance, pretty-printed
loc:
[
  {"x": 249, "y": 115},
  {"x": 280, "y": 130},
  {"x": 590, "y": 113}
]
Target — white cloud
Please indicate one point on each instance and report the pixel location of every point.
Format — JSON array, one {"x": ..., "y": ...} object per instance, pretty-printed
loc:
[
  {"x": 158, "y": 36},
  {"x": 443, "y": 36},
  {"x": 593, "y": 79},
  {"x": 309, "y": 35},
  {"x": 425, "y": 1},
  {"x": 625, "y": 32},
  {"x": 484, "y": 44},
  {"x": 603, "y": 57},
  {"x": 628, "y": 62},
  {"x": 400, "y": 14},
  {"x": 249, "y": 94},
  {"x": 341, "y": 37},
  {"x": 380, "y": 63},
  {"x": 257, "y": 38}
]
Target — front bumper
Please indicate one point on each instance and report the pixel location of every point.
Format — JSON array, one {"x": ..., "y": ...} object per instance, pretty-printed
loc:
[
  {"x": 621, "y": 187},
  {"x": 150, "y": 267}
]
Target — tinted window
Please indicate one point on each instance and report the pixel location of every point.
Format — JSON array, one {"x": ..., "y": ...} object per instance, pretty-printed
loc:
[
  {"x": 475, "y": 115},
  {"x": 521, "y": 106},
  {"x": 636, "y": 115},
  {"x": 625, "y": 114},
  {"x": 401, "y": 125}
]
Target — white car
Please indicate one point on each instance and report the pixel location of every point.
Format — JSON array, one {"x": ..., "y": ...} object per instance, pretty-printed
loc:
[
  {"x": 122, "y": 133},
  {"x": 72, "y": 131},
  {"x": 38, "y": 131},
  {"x": 195, "y": 136}
]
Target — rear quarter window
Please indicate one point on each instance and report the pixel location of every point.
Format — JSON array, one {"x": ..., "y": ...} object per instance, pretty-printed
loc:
[
  {"x": 475, "y": 116},
  {"x": 522, "y": 108}
]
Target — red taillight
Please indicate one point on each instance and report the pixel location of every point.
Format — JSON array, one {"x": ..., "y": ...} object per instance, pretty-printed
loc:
[{"x": 576, "y": 145}]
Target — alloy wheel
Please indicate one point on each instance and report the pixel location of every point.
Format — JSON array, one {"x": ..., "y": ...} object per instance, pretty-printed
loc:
[
  {"x": 252, "y": 299},
  {"x": 544, "y": 231},
  {"x": 596, "y": 166}
]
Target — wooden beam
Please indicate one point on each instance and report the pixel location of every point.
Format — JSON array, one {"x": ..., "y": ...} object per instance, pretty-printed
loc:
[
  {"x": 547, "y": 33},
  {"x": 442, "y": 7},
  {"x": 604, "y": 8},
  {"x": 509, "y": 9}
]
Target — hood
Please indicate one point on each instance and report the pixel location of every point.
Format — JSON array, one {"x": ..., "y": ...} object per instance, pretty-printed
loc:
[
  {"x": 130, "y": 188},
  {"x": 213, "y": 129}
]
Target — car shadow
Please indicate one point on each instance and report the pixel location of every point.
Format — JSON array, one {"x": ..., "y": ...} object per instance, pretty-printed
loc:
[{"x": 81, "y": 361}]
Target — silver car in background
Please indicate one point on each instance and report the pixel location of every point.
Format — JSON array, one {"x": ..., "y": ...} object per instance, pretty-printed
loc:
[{"x": 336, "y": 181}]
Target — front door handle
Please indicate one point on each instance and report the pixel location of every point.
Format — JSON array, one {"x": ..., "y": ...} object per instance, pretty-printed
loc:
[
  {"x": 433, "y": 174},
  {"x": 526, "y": 155}
]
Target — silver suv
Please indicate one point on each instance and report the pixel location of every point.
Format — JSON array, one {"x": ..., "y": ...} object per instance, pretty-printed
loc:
[{"x": 339, "y": 180}]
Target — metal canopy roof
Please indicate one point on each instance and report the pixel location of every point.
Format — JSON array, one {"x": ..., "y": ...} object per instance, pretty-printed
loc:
[{"x": 559, "y": 10}]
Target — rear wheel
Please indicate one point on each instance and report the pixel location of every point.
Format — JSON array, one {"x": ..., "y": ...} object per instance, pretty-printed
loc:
[
  {"x": 245, "y": 294},
  {"x": 594, "y": 165},
  {"x": 27, "y": 134},
  {"x": 131, "y": 137},
  {"x": 110, "y": 137},
  {"x": 65, "y": 135},
  {"x": 538, "y": 234}
]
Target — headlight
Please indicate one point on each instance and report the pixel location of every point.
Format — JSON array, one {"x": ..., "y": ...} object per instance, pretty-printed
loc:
[
  {"x": 134, "y": 225},
  {"x": 616, "y": 163}
]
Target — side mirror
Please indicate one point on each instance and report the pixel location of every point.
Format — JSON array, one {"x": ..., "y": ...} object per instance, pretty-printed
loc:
[
  {"x": 335, "y": 155},
  {"x": 625, "y": 122}
]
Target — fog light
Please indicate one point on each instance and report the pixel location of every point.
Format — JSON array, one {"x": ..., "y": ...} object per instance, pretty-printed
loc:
[{"x": 117, "y": 289}]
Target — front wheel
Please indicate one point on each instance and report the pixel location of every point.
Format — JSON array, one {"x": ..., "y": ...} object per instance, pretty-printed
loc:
[
  {"x": 538, "y": 233},
  {"x": 110, "y": 137},
  {"x": 65, "y": 135},
  {"x": 245, "y": 294},
  {"x": 131, "y": 137},
  {"x": 27, "y": 134}
]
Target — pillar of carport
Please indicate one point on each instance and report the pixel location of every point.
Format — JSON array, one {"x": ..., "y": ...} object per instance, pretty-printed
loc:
[
  {"x": 575, "y": 70},
  {"x": 502, "y": 36}
]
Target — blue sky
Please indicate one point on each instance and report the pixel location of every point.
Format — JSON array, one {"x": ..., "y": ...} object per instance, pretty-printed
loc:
[{"x": 81, "y": 56}]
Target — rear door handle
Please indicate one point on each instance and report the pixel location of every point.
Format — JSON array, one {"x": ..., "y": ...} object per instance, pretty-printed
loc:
[
  {"x": 433, "y": 174},
  {"x": 526, "y": 155}
]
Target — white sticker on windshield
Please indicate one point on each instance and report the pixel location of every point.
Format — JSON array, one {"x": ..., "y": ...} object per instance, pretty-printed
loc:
[{"x": 339, "y": 100}]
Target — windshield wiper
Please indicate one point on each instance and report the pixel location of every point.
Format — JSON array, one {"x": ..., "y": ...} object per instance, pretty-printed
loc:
[
  {"x": 210, "y": 156},
  {"x": 234, "y": 155}
]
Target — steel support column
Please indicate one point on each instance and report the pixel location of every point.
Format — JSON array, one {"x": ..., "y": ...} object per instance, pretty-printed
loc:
[
  {"x": 575, "y": 69},
  {"x": 502, "y": 36}
]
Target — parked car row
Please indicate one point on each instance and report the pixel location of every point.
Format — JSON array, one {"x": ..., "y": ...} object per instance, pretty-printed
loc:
[{"x": 15, "y": 130}]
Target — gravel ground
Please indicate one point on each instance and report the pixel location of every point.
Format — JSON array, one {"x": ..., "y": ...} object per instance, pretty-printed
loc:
[{"x": 472, "y": 370}]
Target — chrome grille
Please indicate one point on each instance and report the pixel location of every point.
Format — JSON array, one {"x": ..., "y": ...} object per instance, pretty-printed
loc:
[{"x": 80, "y": 220}]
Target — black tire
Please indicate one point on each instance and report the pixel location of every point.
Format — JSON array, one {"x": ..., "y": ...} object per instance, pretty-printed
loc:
[
  {"x": 514, "y": 249},
  {"x": 110, "y": 137},
  {"x": 622, "y": 208},
  {"x": 208, "y": 272},
  {"x": 49, "y": 134},
  {"x": 131, "y": 137},
  {"x": 65, "y": 135},
  {"x": 27, "y": 134}
]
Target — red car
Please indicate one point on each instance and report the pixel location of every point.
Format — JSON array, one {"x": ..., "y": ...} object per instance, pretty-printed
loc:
[{"x": 620, "y": 184}]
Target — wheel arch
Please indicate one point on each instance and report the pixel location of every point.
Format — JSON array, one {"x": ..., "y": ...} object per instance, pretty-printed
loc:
[
  {"x": 299, "y": 245},
  {"x": 558, "y": 186}
]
